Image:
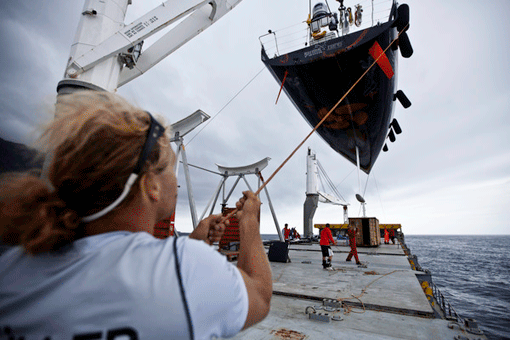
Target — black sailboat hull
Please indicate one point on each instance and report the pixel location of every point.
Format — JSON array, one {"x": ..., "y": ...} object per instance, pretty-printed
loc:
[{"x": 316, "y": 77}]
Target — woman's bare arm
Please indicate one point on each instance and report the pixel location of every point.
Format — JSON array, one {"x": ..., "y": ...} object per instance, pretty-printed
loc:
[{"x": 252, "y": 261}]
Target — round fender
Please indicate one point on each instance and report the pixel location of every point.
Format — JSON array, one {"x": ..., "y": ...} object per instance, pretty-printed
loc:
[
  {"x": 405, "y": 45},
  {"x": 396, "y": 126},
  {"x": 402, "y": 98},
  {"x": 391, "y": 136},
  {"x": 402, "y": 17}
]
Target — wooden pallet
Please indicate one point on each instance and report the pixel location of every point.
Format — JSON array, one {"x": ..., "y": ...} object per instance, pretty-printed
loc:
[
  {"x": 231, "y": 255},
  {"x": 230, "y": 237}
]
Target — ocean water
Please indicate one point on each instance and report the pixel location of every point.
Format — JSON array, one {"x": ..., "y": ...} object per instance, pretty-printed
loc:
[{"x": 473, "y": 273}]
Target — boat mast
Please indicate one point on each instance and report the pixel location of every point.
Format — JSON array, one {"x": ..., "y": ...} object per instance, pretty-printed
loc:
[{"x": 360, "y": 198}]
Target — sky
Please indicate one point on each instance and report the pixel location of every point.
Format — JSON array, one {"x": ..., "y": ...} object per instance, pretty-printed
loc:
[{"x": 447, "y": 173}]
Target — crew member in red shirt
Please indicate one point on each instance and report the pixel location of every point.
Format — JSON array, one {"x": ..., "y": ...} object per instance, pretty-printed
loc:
[
  {"x": 351, "y": 232},
  {"x": 326, "y": 239},
  {"x": 286, "y": 232},
  {"x": 295, "y": 234},
  {"x": 392, "y": 235},
  {"x": 386, "y": 236}
]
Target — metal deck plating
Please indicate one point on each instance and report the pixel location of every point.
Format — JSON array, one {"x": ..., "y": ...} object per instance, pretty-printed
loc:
[{"x": 382, "y": 301}]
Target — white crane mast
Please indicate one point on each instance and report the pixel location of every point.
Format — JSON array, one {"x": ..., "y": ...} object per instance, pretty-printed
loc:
[
  {"x": 314, "y": 196},
  {"x": 107, "y": 54},
  {"x": 312, "y": 173}
]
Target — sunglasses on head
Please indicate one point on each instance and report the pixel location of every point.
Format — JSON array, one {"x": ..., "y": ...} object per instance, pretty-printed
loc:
[{"x": 156, "y": 130}]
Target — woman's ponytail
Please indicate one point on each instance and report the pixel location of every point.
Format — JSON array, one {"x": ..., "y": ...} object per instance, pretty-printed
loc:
[
  {"x": 94, "y": 141},
  {"x": 33, "y": 216}
]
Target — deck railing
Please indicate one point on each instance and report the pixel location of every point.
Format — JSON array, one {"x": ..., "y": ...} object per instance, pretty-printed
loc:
[
  {"x": 444, "y": 304},
  {"x": 295, "y": 37},
  {"x": 449, "y": 312}
]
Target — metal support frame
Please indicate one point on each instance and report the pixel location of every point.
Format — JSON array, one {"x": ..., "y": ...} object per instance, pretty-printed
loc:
[
  {"x": 215, "y": 198},
  {"x": 363, "y": 203},
  {"x": 280, "y": 235},
  {"x": 180, "y": 129},
  {"x": 314, "y": 196},
  {"x": 241, "y": 172},
  {"x": 191, "y": 199},
  {"x": 310, "y": 206}
]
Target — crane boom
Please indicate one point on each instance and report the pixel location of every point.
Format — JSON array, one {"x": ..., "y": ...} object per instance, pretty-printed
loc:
[{"x": 107, "y": 53}]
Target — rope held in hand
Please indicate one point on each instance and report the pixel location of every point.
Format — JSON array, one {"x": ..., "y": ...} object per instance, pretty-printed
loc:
[{"x": 233, "y": 212}]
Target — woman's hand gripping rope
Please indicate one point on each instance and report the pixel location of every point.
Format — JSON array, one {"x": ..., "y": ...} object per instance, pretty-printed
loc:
[{"x": 210, "y": 229}]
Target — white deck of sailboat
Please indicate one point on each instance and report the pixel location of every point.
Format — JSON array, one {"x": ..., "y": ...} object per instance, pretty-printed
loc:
[{"x": 393, "y": 305}]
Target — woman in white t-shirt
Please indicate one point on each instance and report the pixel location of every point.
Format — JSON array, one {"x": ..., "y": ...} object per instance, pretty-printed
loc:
[{"x": 83, "y": 262}]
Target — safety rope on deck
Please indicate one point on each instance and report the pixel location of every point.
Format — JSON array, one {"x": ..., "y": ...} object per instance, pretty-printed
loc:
[{"x": 348, "y": 309}]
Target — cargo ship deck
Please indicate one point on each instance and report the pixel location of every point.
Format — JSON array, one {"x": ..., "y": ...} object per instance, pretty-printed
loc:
[{"x": 381, "y": 299}]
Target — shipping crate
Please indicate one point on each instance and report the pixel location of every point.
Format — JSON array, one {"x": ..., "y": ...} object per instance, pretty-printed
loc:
[
  {"x": 165, "y": 227},
  {"x": 229, "y": 243},
  {"x": 367, "y": 234}
]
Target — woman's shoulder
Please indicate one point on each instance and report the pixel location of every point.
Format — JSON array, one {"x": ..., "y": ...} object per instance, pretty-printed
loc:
[
  {"x": 144, "y": 250},
  {"x": 136, "y": 241},
  {"x": 199, "y": 250}
]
